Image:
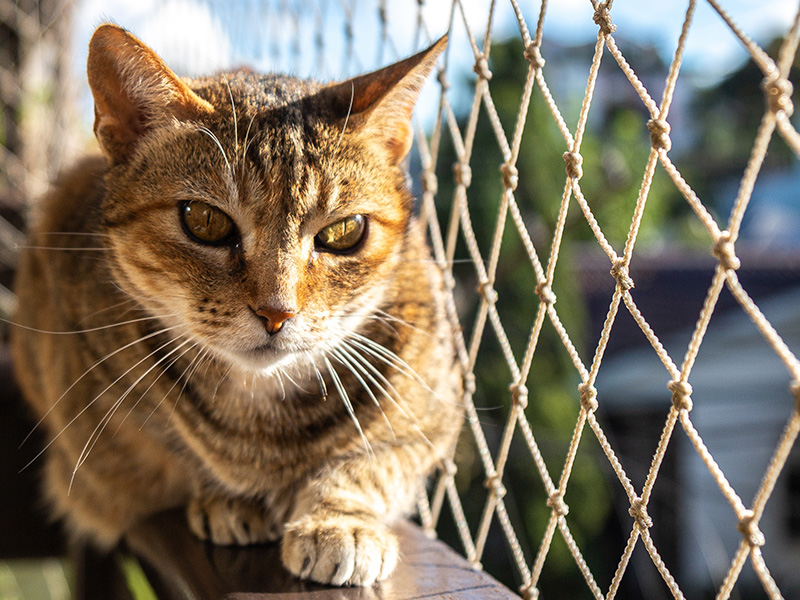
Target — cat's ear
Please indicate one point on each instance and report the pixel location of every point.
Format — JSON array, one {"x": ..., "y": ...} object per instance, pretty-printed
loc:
[
  {"x": 133, "y": 91},
  {"x": 383, "y": 101}
]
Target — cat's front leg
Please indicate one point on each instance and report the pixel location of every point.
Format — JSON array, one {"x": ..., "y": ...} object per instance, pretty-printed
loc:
[
  {"x": 338, "y": 532},
  {"x": 339, "y": 548},
  {"x": 231, "y": 521}
]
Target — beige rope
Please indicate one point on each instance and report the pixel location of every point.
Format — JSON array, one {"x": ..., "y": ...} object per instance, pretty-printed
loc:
[
  {"x": 487, "y": 256},
  {"x": 456, "y": 229}
]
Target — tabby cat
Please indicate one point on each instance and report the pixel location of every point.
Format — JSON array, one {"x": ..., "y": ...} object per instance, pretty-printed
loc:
[{"x": 250, "y": 323}]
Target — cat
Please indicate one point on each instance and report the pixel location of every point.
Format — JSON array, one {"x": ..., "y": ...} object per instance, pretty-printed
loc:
[{"x": 233, "y": 309}]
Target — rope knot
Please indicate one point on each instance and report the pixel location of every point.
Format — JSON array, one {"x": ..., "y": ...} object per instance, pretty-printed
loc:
[
  {"x": 724, "y": 251},
  {"x": 545, "y": 293},
  {"x": 588, "y": 397},
  {"x": 495, "y": 484},
  {"x": 748, "y": 527},
  {"x": 469, "y": 383},
  {"x": 779, "y": 94},
  {"x": 574, "y": 165},
  {"x": 487, "y": 291},
  {"x": 463, "y": 174},
  {"x": 602, "y": 17},
  {"x": 556, "y": 502},
  {"x": 533, "y": 54},
  {"x": 510, "y": 176},
  {"x": 449, "y": 468},
  {"x": 441, "y": 77},
  {"x": 638, "y": 511},
  {"x": 620, "y": 272},
  {"x": 519, "y": 395},
  {"x": 530, "y": 593},
  {"x": 659, "y": 134},
  {"x": 681, "y": 394},
  {"x": 481, "y": 68},
  {"x": 430, "y": 183},
  {"x": 795, "y": 388}
]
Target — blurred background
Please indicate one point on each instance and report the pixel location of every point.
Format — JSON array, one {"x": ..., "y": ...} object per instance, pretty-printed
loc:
[{"x": 741, "y": 389}]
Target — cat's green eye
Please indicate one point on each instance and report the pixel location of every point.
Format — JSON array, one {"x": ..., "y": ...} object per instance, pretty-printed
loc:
[
  {"x": 342, "y": 235},
  {"x": 206, "y": 224}
]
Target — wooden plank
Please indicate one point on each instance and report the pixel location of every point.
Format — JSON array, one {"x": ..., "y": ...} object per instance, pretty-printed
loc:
[
  {"x": 25, "y": 529},
  {"x": 179, "y": 566}
]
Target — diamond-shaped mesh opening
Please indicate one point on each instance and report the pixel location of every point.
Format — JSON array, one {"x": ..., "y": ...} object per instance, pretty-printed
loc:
[{"x": 555, "y": 179}]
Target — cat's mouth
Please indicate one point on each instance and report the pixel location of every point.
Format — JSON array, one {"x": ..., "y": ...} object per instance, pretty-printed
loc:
[
  {"x": 267, "y": 358},
  {"x": 267, "y": 354}
]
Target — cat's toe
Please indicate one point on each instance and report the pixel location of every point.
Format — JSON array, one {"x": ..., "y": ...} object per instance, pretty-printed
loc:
[
  {"x": 230, "y": 521},
  {"x": 339, "y": 550}
]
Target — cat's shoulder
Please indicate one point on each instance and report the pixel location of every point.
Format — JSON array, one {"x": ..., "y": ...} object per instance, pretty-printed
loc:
[{"x": 74, "y": 195}]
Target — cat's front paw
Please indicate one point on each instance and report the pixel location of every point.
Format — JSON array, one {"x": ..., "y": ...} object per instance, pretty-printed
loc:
[
  {"x": 231, "y": 521},
  {"x": 339, "y": 549}
]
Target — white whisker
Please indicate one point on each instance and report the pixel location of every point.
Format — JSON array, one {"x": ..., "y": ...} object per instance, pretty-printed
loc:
[
  {"x": 166, "y": 368},
  {"x": 347, "y": 116},
  {"x": 348, "y": 405},
  {"x": 354, "y": 369},
  {"x": 296, "y": 366},
  {"x": 247, "y": 141},
  {"x": 101, "y": 426},
  {"x": 188, "y": 372},
  {"x": 67, "y": 248},
  {"x": 77, "y": 331},
  {"x": 280, "y": 381},
  {"x": 98, "y": 396},
  {"x": 84, "y": 374},
  {"x": 367, "y": 367},
  {"x": 386, "y": 356},
  {"x": 382, "y": 383},
  {"x": 322, "y": 387},
  {"x": 235, "y": 119},
  {"x": 213, "y": 136},
  {"x": 86, "y": 233},
  {"x": 114, "y": 307}
]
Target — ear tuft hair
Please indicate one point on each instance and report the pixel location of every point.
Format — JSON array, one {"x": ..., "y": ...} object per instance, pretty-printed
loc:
[
  {"x": 133, "y": 91},
  {"x": 383, "y": 101}
]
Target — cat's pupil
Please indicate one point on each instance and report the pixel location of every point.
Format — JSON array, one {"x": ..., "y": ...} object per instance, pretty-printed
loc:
[
  {"x": 206, "y": 224},
  {"x": 343, "y": 235}
]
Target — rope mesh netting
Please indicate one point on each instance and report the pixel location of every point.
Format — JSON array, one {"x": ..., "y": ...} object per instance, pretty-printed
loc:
[{"x": 302, "y": 30}]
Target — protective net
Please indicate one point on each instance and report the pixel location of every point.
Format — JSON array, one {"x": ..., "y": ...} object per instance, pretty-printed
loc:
[{"x": 475, "y": 235}]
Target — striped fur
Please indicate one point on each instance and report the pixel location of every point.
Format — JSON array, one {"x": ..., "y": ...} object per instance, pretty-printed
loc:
[{"x": 166, "y": 388}]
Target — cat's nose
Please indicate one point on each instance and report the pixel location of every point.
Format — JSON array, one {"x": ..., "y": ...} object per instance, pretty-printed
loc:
[{"x": 274, "y": 318}]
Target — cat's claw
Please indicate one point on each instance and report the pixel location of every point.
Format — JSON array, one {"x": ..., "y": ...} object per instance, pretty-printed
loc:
[
  {"x": 339, "y": 550},
  {"x": 231, "y": 521}
]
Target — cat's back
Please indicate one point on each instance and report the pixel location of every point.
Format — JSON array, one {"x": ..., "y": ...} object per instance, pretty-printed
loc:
[{"x": 58, "y": 265}]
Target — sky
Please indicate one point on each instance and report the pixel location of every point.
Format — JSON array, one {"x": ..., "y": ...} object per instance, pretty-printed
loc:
[
  {"x": 197, "y": 31},
  {"x": 201, "y": 36}
]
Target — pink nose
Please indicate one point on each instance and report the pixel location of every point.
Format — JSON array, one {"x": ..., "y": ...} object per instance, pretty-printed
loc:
[{"x": 274, "y": 318}]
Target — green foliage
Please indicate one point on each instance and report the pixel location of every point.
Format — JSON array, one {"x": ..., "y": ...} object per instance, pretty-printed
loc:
[
  {"x": 726, "y": 118},
  {"x": 138, "y": 585},
  {"x": 43, "y": 579}
]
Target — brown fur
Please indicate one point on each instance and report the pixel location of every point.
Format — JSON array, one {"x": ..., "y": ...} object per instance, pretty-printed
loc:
[{"x": 166, "y": 388}]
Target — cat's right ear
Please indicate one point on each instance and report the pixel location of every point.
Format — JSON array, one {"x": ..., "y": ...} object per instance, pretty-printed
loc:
[{"x": 134, "y": 91}]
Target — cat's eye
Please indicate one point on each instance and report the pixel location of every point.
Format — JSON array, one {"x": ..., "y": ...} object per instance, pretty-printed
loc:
[
  {"x": 206, "y": 224},
  {"x": 343, "y": 235}
]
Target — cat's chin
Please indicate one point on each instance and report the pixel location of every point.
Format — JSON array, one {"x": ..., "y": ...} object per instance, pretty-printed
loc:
[{"x": 261, "y": 360}]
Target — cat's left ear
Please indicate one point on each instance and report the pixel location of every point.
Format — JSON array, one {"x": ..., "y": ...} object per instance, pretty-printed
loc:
[{"x": 382, "y": 102}]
